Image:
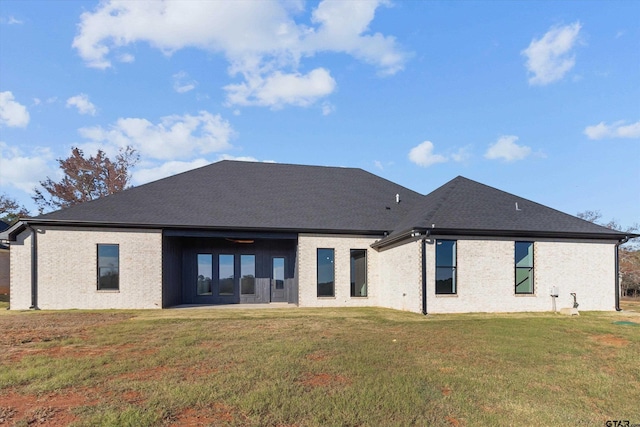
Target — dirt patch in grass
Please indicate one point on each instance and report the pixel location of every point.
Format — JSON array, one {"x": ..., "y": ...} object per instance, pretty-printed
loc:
[
  {"x": 453, "y": 421},
  {"x": 215, "y": 414},
  {"x": 610, "y": 340},
  {"x": 52, "y": 409},
  {"x": 44, "y": 327},
  {"x": 19, "y": 333}
]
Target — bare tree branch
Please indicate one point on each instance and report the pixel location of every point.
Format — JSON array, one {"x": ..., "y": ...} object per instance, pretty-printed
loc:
[
  {"x": 86, "y": 179},
  {"x": 11, "y": 210}
]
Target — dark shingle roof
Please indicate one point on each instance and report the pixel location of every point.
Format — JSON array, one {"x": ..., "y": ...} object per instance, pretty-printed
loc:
[
  {"x": 272, "y": 196},
  {"x": 251, "y": 195},
  {"x": 463, "y": 204}
]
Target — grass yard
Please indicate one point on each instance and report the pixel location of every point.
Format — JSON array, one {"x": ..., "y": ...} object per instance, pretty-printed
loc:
[{"x": 318, "y": 367}]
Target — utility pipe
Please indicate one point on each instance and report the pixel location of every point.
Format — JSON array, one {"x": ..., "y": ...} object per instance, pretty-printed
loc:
[
  {"x": 617, "y": 271},
  {"x": 424, "y": 272},
  {"x": 34, "y": 268}
]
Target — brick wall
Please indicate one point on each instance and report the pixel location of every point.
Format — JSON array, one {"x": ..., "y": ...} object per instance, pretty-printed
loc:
[
  {"x": 401, "y": 277},
  {"x": 308, "y": 244},
  {"x": 20, "y": 273},
  {"x": 486, "y": 276},
  {"x": 67, "y": 269},
  {"x": 485, "y": 273}
]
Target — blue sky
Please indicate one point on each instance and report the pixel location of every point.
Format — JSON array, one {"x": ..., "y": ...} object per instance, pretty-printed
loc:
[{"x": 540, "y": 99}]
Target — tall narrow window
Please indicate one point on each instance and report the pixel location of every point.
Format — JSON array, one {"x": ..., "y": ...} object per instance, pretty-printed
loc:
[
  {"x": 326, "y": 273},
  {"x": 226, "y": 279},
  {"x": 205, "y": 272},
  {"x": 524, "y": 267},
  {"x": 446, "y": 267},
  {"x": 247, "y": 274},
  {"x": 358, "y": 272},
  {"x": 278, "y": 273},
  {"x": 108, "y": 267}
]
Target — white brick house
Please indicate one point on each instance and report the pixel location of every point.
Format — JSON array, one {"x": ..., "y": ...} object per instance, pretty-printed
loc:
[{"x": 236, "y": 232}]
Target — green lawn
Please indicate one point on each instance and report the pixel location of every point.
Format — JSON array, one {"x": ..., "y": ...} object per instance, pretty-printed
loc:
[{"x": 318, "y": 367}]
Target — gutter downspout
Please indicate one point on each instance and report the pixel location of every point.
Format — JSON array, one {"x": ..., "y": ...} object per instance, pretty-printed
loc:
[
  {"x": 424, "y": 273},
  {"x": 34, "y": 268},
  {"x": 617, "y": 271}
]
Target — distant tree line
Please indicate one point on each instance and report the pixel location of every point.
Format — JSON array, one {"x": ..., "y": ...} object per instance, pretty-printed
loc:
[{"x": 629, "y": 255}]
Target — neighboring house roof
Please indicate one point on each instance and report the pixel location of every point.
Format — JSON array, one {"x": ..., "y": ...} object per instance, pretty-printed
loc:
[{"x": 251, "y": 196}]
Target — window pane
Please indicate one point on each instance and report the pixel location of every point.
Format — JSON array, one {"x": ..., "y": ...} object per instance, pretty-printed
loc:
[
  {"x": 445, "y": 280},
  {"x": 225, "y": 276},
  {"x": 278, "y": 272},
  {"x": 108, "y": 255},
  {"x": 446, "y": 267},
  {"x": 326, "y": 273},
  {"x": 524, "y": 280},
  {"x": 524, "y": 254},
  {"x": 247, "y": 274},
  {"x": 524, "y": 267},
  {"x": 205, "y": 271},
  {"x": 108, "y": 278},
  {"x": 358, "y": 272},
  {"x": 108, "y": 267},
  {"x": 446, "y": 253}
]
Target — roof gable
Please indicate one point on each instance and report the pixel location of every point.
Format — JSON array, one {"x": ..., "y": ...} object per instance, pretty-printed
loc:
[{"x": 466, "y": 205}]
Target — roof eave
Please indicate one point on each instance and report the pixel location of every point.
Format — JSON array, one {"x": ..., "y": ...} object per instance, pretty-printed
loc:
[
  {"x": 417, "y": 232},
  {"x": 150, "y": 226}
]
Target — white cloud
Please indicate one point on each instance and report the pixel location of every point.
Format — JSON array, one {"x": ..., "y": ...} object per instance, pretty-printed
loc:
[
  {"x": 261, "y": 40},
  {"x": 11, "y": 20},
  {"x": 550, "y": 58},
  {"x": 82, "y": 103},
  {"x": 12, "y": 113},
  {"x": 21, "y": 171},
  {"x": 173, "y": 167},
  {"x": 144, "y": 175},
  {"x": 462, "y": 155},
  {"x": 182, "y": 83},
  {"x": 507, "y": 149},
  {"x": 126, "y": 58},
  {"x": 422, "y": 155},
  {"x": 279, "y": 89},
  {"x": 615, "y": 130},
  {"x": 174, "y": 137},
  {"x": 327, "y": 108}
]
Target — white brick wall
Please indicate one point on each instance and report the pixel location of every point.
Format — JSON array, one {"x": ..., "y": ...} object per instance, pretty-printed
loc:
[
  {"x": 588, "y": 269},
  {"x": 308, "y": 244},
  {"x": 67, "y": 263},
  {"x": 486, "y": 275},
  {"x": 401, "y": 277},
  {"x": 20, "y": 272}
]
